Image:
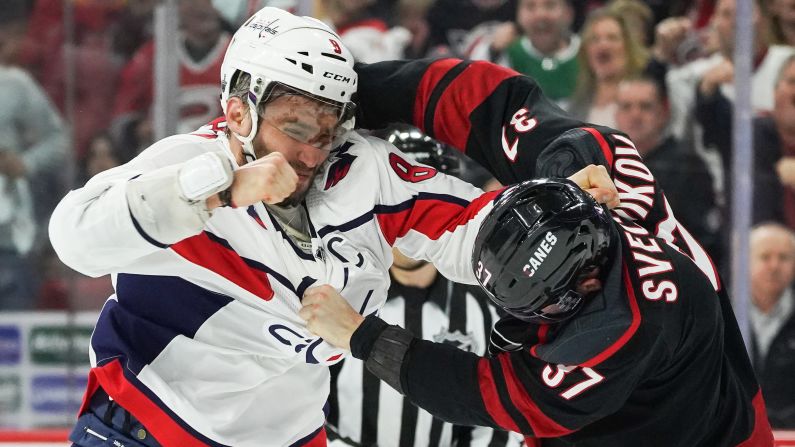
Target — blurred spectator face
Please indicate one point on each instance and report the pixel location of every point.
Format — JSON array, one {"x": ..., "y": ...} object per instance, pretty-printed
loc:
[
  {"x": 101, "y": 156},
  {"x": 545, "y": 22},
  {"x": 772, "y": 263},
  {"x": 641, "y": 112},
  {"x": 606, "y": 49},
  {"x": 11, "y": 35},
  {"x": 784, "y": 95},
  {"x": 199, "y": 22},
  {"x": 723, "y": 24},
  {"x": 783, "y": 9}
]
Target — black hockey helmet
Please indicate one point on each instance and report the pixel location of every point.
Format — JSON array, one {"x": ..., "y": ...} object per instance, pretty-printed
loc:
[
  {"x": 422, "y": 148},
  {"x": 540, "y": 238}
]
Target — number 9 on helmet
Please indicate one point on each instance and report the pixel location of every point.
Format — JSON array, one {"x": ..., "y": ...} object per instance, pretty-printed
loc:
[
  {"x": 302, "y": 53},
  {"x": 539, "y": 240}
]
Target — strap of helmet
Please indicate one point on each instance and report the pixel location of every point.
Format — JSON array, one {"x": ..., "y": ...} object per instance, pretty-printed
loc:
[{"x": 256, "y": 92}]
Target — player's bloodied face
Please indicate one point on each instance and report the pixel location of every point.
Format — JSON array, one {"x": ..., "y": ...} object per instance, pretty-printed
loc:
[{"x": 302, "y": 129}]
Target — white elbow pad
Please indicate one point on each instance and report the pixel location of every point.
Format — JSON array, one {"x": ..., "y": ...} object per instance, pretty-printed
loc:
[
  {"x": 168, "y": 204},
  {"x": 205, "y": 175}
]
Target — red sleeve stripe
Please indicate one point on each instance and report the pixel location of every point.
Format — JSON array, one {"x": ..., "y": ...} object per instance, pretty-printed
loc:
[
  {"x": 165, "y": 426},
  {"x": 491, "y": 399},
  {"x": 606, "y": 151},
  {"x": 633, "y": 327},
  {"x": 429, "y": 214},
  {"x": 435, "y": 72},
  {"x": 543, "y": 330},
  {"x": 543, "y": 426},
  {"x": 445, "y": 99},
  {"x": 451, "y": 122},
  {"x": 762, "y": 436},
  {"x": 224, "y": 261}
]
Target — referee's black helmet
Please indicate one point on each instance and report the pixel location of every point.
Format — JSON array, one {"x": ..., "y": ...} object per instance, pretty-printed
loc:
[{"x": 541, "y": 237}]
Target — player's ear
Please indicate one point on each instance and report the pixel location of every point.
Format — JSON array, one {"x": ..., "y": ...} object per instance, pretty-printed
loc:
[{"x": 237, "y": 116}]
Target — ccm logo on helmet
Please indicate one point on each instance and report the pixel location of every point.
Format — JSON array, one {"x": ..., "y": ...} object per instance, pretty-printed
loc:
[
  {"x": 337, "y": 77},
  {"x": 540, "y": 254}
]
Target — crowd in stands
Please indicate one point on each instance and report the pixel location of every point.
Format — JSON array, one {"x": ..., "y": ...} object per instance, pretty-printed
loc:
[{"x": 76, "y": 82}]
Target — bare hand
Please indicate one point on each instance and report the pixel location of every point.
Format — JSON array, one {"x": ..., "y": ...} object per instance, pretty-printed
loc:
[
  {"x": 723, "y": 73},
  {"x": 329, "y": 316},
  {"x": 669, "y": 35},
  {"x": 595, "y": 180},
  {"x": 11, "y": 164},
  {"x": 269, "y": 179},
  {"x": 504, "y": 34},
  {"x": 786, "y": 171}
]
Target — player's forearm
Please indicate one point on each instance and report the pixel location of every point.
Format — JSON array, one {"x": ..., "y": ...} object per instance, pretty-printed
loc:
[
  {"x": 123, "y": 215},
  {"x": 92, "y": 231},
  {"x": 387, "y": 92},
  {"x": 437, "y": 377}
]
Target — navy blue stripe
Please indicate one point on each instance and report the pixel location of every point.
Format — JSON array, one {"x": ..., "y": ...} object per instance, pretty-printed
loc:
[
  {"x": 443, "y": 198},
  {"x": 347, "y": 226},
  {"x": 391, "y": 209},
  {"x": 143, "y": 234},
  {"x": 149, "y": 314},
  {"x": 254, "y": 264},
  {"x": 305, "y": 283},
  {"x": 156, "y": 400},
  {"x": 366, "y": 300}
]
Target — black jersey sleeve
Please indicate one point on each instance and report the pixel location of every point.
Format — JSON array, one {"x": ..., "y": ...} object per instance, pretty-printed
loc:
[
  {"x": 494, "y": 115},
  {"x": 517, "y": 392},
  {"x": 502, "y": 120},
  {"x": 513, "y": 391}
]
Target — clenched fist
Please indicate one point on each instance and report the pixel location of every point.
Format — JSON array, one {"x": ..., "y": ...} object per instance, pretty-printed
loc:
[
  {"x": 329, "y": 316},
  {"x": 595, "y": 180},
  {"x": 269, "y": 179}
]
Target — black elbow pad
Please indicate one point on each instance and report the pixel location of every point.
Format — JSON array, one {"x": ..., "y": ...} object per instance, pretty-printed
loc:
[{"x": 570, "y": 152}]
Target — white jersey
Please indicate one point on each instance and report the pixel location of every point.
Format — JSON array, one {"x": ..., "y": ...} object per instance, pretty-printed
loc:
[{"x": 202, "y": 341}]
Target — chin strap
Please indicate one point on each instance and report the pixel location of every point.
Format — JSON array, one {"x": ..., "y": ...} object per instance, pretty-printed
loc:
[{"x": 246, "y": 141}]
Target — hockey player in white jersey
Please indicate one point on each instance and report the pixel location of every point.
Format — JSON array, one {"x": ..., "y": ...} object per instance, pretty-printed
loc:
[{"x": 212, "y": 239}]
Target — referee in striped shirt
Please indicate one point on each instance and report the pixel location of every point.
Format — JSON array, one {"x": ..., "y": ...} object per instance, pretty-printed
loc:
[{"x": 365, "y": 411}]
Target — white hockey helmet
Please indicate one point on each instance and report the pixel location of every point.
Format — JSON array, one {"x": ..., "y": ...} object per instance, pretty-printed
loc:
[{"x": 274, "y": 46}]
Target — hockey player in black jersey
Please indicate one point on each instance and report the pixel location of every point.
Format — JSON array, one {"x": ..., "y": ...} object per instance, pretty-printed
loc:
[
  {"x": 502, "y": 120},
  {"x": 613, "y": 337}
]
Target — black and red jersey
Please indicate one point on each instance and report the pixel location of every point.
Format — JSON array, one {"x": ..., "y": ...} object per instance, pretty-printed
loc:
[
  {"x": 502, "y": 120},
  {"x": 656, "y": 359}
]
